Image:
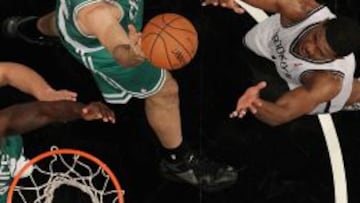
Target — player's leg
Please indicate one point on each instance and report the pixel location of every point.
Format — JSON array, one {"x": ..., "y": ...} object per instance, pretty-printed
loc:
[
  {"x": 160, "y": 91},
  {"x": 179, "y": 162},
  {"x": 162, "y": 109},
  {"x": 32, "y": 29}
]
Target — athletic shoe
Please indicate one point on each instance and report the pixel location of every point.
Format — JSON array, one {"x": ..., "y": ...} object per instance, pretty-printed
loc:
[
  {"x": 25, "y": 28},
  {"x": 205, "y": 174}
]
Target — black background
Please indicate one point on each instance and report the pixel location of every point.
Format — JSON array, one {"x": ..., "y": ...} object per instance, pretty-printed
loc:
[{"x": 284, "y": 164}]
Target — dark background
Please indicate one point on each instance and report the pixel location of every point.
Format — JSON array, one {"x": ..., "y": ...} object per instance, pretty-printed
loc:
[{"x": 283, "y": 164}]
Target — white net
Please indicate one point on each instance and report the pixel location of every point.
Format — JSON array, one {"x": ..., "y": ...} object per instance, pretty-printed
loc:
[{"x": 70, "y": 170}]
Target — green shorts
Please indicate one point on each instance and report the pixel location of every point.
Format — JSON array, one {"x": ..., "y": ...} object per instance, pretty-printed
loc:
[{"x": 118, "y": 84}]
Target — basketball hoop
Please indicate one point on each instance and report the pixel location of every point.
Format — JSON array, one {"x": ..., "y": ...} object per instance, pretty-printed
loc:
[{"x": 79, "y": 173}]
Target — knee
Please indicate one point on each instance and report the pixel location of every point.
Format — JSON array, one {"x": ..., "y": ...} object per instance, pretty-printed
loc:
[
  {"x": 168, "y": 93},
  {"x": 171, "y": 87}
]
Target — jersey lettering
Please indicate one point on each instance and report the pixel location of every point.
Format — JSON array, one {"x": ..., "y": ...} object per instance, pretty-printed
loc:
[
  {"x": 280, "y": 51},
  {"x": 134, "y": 9}
]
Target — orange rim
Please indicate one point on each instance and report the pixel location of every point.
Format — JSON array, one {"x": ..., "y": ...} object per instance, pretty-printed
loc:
[{"x": 66, "y": 151}]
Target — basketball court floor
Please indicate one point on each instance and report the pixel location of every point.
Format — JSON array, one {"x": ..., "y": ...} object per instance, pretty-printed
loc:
[{"x": 289, "y": 163}]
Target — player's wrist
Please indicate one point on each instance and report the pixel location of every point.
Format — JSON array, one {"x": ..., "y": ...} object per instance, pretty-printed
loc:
[{"x": 42, "y": 93}]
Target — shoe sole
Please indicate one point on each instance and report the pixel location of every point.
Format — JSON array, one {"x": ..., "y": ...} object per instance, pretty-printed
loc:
[{"x": 216, "y": 188}]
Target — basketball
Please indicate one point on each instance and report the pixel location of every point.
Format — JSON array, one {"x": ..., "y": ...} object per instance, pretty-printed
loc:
[{"x": 169, "y": 41}]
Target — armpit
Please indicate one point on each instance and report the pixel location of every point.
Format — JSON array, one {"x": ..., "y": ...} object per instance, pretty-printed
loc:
[{"x": 337, "y": 75}]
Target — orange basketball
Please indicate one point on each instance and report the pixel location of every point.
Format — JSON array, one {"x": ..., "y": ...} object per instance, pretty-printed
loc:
[{"x": 169, "y": 41}]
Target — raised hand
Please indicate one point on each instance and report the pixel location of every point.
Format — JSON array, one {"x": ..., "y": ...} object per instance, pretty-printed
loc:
[
  {"x": 249, "y": 101},
  {"x": 135, "y": 43},
  {"x": 230, "y": 4},
  {"x": 97, "y": 111}
]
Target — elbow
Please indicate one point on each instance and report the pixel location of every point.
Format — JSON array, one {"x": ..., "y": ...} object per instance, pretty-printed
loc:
[
  {"x": 126, "y": 63},
  {"x": 276, "y": 123},
  {"x": 279, "y": 120}
]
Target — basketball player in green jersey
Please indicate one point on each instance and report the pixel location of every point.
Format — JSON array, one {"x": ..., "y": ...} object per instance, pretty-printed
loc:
[
  {"x": 103, "y": 35},
  {"x": 28, "y": 81}
]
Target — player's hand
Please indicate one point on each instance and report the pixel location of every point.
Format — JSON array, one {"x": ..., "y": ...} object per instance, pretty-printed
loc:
[
  {"x": 249, "y": 101},
  {"x": 135, "y": 44},
  {"x": 56, "y": 95},
  {"x": 98, "y": 111},
  {"x": 230, "y": 4}
]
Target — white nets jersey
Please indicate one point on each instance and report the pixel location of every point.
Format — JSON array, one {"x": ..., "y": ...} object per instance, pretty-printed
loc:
[{"x": 275, "y": 42}]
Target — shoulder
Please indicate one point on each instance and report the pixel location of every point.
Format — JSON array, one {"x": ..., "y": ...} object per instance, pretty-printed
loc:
[
  {"x": 97, "y": 17},
  {"x": 294, "y": 11},
  {"x": 100, "y": 10},
  {"x": 326, "y": 82}
]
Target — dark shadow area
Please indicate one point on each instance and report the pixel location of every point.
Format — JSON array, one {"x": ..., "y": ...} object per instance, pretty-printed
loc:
[{"x": 287, "y": 164}]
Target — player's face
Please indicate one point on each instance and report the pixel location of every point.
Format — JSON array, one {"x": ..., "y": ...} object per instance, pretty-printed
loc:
[{"x": 315, "y": 46}]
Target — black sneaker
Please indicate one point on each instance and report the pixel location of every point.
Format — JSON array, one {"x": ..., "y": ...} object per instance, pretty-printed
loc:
[
  {"x": 25, "y": 28},
  {"x": 205, "y": 174}
]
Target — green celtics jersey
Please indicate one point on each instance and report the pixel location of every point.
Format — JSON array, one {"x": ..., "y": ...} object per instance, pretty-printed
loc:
[
  {"x": 69, "y": 9},
  {"x": 117, "y": 84},
  {"x": 11, "y": 150}
]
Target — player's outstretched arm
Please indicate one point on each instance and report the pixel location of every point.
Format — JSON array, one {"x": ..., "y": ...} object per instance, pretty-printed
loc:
[
  {"x": 124, "y": 43},
  {"x": 22, "y": 118},
  {"x": 292, "y": 10},
  {"x": 318, "y": 87},
  {"x": 27, "y": 80}
]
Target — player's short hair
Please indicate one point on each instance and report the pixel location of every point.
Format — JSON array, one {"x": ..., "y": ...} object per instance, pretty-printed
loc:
[{"x": 343, "y": 35}]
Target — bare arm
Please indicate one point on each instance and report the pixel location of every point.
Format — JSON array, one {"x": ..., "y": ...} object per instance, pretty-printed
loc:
[
  {"x": 28, "y": 81},
  {"x": 290, "y": 10},
  {"x": 355, "y": 93},
  {"x": 102, "y": 20},
  {"x": 318, "y": 87},
  {"x": 23, "y": 118}
]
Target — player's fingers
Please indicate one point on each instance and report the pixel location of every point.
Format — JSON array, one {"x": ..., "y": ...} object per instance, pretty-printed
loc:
[
  {"x": 102, "y": 110},
  {"x": 91, "y": 112},
  {"x": 236, "y": 7},
  {"x": 210, "y": 2},
  {"x": 261, "y": 85},
  {"x": 257, "y": 103},
  {"x": 223, "y": 3},
  {"x": 68, "y": 95},
  {"x": 112, "y": 117},
  {"x": 108, "y": 114},
  {"x": 233, "y": 114},
  {"x": 252, "y": 109},
  {"x": 85, "y": 110},
  {"x": 241, "y": 113},
  {"x": 132, "y": 29},
  {"x": 139, "y": 41}
]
